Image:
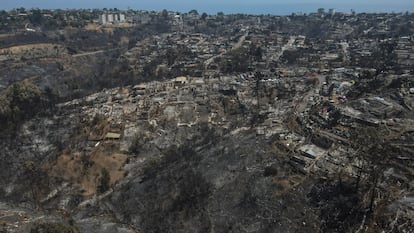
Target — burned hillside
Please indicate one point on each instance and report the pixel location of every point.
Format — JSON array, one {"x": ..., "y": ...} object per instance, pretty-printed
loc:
[{"x": 211, "y": 123}]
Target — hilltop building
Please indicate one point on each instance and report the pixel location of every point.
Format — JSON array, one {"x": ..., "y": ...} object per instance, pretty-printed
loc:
[{"x": 108, "y": 18}]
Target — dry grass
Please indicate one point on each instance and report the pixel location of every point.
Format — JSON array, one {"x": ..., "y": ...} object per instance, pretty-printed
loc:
[
  {"x": 21, "y": 48},
  {"x": 285, "y": 184},
  {"x": 83, "y": 171},
  {"x": 92, "y": 27}
]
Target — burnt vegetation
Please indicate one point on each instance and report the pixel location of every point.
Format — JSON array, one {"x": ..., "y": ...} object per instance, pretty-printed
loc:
[{"x": 190, "y": 122}]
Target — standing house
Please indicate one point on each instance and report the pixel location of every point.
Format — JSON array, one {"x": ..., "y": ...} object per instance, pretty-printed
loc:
[
  {"x": 140, "y": 89},
  {"x": 180, "y": 81}
]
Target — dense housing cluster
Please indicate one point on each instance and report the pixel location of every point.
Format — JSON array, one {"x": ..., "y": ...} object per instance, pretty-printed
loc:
[{"x": 138, "y": 121}]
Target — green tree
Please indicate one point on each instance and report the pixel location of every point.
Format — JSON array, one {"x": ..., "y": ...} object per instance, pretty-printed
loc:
[
  {"x": 321, "y": 11},
  {"x": 204, "y": 16},
  {"x": 220, "y": 16},
  {"x": 193, "y": 12},
  {"x": 24, "y": 96},
  {"x": 18, "y": 102},
  {"x": 164, "y": 14}
]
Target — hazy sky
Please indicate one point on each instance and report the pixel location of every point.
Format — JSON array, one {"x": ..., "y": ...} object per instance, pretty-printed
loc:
[{"x": 227, "y": 6}]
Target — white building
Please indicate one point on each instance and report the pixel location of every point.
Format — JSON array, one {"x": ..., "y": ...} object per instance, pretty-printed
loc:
[
  {"x": 121, "y": 18},
  {"x": 106, "y": 18},
  {"x": 102, "y": 19},
  {"x": 110, "y": 18}
]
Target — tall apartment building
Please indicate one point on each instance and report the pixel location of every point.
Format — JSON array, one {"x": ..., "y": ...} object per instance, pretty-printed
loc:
[{"x": 107, "y": 18}]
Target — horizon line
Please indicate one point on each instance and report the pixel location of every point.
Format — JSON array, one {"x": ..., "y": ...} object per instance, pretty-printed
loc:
[{"x": 228, "y": 13}]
